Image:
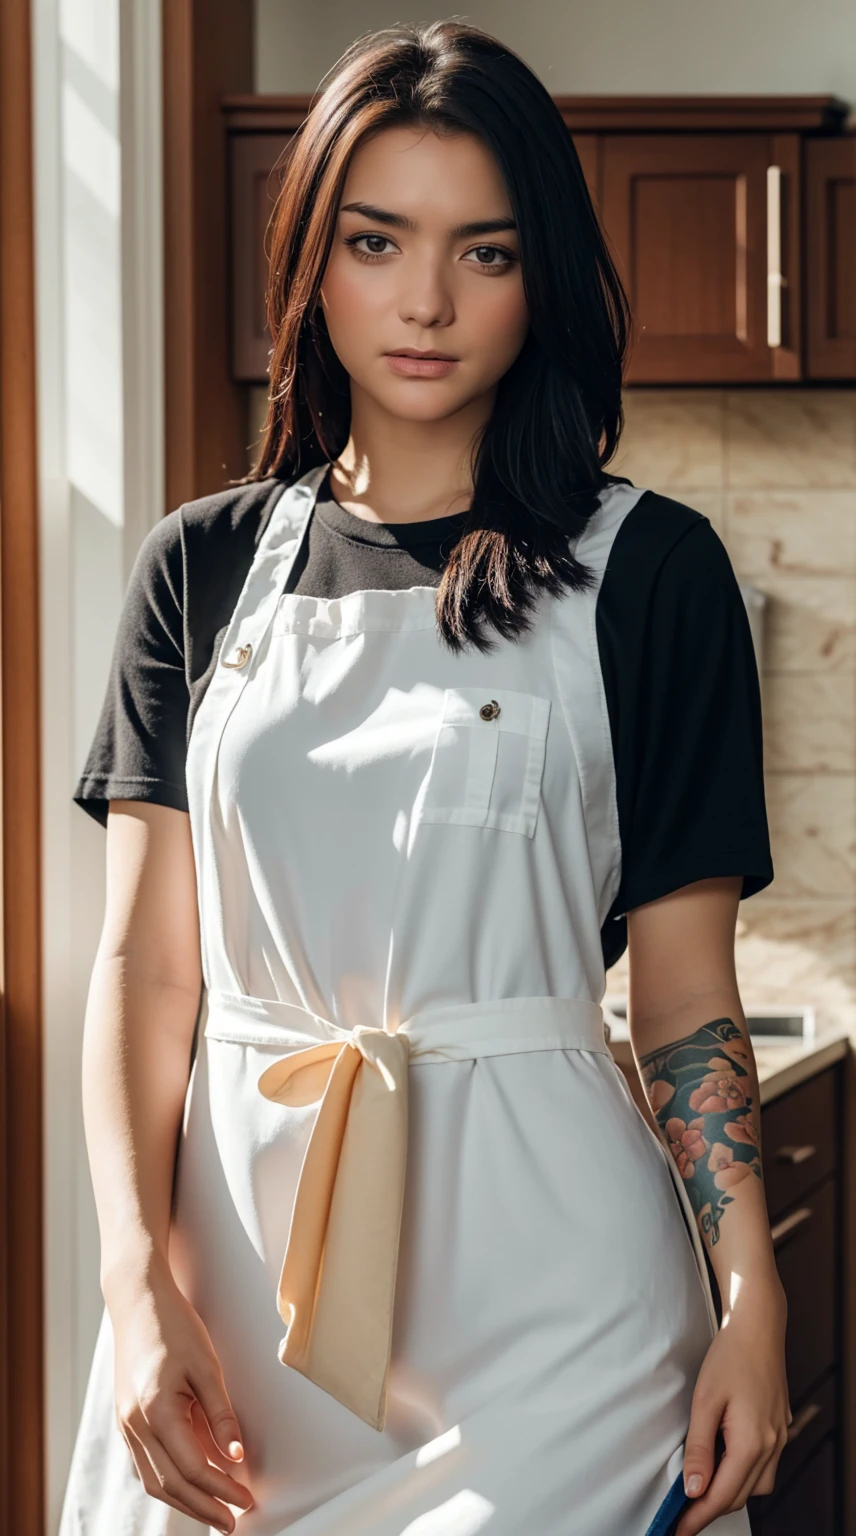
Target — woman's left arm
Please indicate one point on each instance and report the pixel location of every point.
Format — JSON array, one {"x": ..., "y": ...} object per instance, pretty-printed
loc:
[{"x": 697, "y": 1066}]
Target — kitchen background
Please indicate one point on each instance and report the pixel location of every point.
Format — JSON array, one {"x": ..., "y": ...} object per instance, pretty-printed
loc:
[
  {"x": 775, "y": 471},
  {"x": 773, "y": 467}
]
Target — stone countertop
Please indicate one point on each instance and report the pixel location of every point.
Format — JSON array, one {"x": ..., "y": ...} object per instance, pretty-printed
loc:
[{"x": 780, "y": 1066}]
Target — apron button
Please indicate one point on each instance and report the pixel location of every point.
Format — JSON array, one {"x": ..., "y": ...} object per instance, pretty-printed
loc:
[
  {"x": 489, "y": 711},
  {"x": 242, "y": 656}
]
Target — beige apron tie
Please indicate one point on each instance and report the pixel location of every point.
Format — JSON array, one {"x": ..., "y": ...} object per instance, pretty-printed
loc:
[
  {"x": 337, "y": 1283},
  {"x": 337, "y": 1286}
]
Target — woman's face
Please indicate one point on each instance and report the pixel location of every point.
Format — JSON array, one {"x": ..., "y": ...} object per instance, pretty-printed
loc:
[{"x": 425, "y": 256}]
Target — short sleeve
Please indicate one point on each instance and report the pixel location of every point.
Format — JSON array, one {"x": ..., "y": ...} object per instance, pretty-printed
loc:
[
  {"x": 691, "y": 774},
  {"x": 138, "y": 751}
]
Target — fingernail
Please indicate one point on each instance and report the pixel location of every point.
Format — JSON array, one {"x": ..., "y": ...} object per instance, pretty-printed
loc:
[
  {"x": 693, "y": 1485},
  {"x": 236, "y": 1450}
]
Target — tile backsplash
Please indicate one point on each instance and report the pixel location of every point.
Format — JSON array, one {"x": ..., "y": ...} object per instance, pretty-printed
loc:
[{"x": 775, "y": 471}]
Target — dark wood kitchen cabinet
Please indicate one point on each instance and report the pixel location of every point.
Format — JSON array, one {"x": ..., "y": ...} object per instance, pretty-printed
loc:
[
  {"x": 706, "y": 231},
  {"x": 732, "y": 221},
  {"x": 801, "y": 1135},
  {"x": 801, "y": 1138},
  {"x": 830, "y": 168}
]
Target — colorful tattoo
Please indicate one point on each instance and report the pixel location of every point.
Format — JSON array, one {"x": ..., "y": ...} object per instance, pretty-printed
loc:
[{"x": 699, "y": 1092}]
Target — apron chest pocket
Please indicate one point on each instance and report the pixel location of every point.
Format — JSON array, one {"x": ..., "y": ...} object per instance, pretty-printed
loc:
[{"x": 488, "y": 760}]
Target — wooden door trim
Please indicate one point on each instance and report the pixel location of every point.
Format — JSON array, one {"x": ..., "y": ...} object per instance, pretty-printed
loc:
[
  {"x": 22, "y": 1408},
  {"x": 207, "y": 51}
]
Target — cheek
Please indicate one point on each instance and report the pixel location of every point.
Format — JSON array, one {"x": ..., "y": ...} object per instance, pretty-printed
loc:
[
  {"x": 350, "y": 303},
  {"x": 498, "y": 317}
]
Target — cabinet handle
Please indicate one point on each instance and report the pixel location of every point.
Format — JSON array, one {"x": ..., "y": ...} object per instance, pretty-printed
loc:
[
  {"x": 791, "y": 1224},
  {"x": 795, "y": 1155},
  {"x": 805, "y": 1417},
  {"x": 775, "y": 280}
]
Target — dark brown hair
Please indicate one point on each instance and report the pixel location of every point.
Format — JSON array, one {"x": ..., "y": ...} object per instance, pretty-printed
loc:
[{"x": 539, "y": 464}]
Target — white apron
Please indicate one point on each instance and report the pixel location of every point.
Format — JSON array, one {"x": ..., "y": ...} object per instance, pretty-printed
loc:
[{"x": 391, "y": 837}]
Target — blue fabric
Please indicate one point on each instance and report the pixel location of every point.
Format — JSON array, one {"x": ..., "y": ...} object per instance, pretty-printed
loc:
[{"x": 666, "y": 1519}]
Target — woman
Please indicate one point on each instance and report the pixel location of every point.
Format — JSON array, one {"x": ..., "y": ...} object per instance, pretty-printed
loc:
[{"x": 407, "y": 737}]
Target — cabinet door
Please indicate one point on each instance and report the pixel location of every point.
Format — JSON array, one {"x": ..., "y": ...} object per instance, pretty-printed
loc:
[
  {"x": 703, "y": 235},
  {"x": 830, "y": 170},
  {"x": 806, "y": 1241},
  {"x": 587, "y": 146},
  {"x": 256, "y": 164},
  {"x": 799, "y": 1140}
]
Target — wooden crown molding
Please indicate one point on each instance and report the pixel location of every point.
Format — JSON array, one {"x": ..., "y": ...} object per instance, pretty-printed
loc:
[{"x": 607, "y": 114}]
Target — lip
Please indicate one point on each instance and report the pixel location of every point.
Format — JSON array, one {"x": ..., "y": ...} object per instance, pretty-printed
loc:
[
  {"x": 425, "y": 365},
  {"x": 446, "y": 357}
]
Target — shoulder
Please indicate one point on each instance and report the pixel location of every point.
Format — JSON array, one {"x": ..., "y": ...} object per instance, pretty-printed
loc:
[
  {"x": 664, "y": 548},
  {"x": 204, "y": 529},
  {"x": 219, "y": 536},
  {"x": 187, "y": 575},
  {"x": 654, "y": 527},
  {"x": 669, "y": 599},
  {"x": 225, "y": 522},
  {"x": 195, "y": 558},
  {"x": 237, "y": 509}
]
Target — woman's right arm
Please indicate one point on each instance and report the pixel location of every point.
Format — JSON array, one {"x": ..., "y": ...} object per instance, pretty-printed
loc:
[{"x": 171, "y": 1399}]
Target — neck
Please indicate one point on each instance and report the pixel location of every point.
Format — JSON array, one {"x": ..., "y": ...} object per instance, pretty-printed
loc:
[{"x": 394, "y": 469}]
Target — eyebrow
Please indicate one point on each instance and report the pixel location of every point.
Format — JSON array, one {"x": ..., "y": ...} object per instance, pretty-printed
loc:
[{"x": 400, "y": 221}]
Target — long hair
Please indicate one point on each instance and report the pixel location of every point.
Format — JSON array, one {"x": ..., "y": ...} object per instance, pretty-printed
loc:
[{"x": 539, "y": 463}]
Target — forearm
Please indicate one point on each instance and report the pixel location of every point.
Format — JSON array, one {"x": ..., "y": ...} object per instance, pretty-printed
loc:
[
  {"x": 701, "y": 1081},
  {"x": 136, "y": 1059}
]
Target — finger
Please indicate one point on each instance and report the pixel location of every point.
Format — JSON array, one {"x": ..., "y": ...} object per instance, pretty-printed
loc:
[
  {"x": 134, "y": 1468},
  {"x": 209, "y": 1445},
  {"x": 720, "y": 1497},
  {"x": 767, "y": 1481},
  {"x": 169, "y": 1424},
  {"x": 161, "y": 1481},
  {"x": 700, "y": 1444},
  {"x": 768, "y": 1456},
  {"x": 210, "y": 1388}
]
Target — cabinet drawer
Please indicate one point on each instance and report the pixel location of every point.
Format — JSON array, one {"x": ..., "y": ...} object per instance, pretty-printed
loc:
[
  {"x": 805, "y": 1506},
  {"x": 799, "y": 1140},
  {"x": 806, "y": 1244}
]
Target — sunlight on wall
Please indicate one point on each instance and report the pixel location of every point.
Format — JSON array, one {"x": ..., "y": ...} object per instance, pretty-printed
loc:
[
  {"x": 90, "y": 28},
  {"x": 91, "y": 176}
]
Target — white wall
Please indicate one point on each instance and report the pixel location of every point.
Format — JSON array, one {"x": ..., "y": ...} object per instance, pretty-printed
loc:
[
  {"x": 97, "y": 159},
  {"x": 606, "y": 47}
]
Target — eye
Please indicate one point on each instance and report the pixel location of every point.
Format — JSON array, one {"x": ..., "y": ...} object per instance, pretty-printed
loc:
[
  {"x": 491, "y": 258},
  {"x": 353, "y": 242},
  {"x": 484, "y": 253}
]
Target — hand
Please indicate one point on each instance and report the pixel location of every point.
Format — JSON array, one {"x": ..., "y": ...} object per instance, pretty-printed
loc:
[
  {"x": 171, "y": 1402},
  {"x": 741, "y": 1388}
]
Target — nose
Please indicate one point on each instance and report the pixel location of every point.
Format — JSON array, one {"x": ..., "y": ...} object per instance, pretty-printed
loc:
[{"x": 426, "y": 298}]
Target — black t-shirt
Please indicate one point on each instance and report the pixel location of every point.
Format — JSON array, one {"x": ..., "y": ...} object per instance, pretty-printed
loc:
[{"x": 673, "y": 636}]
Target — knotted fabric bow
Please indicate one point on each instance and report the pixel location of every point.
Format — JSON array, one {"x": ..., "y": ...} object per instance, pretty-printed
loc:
[{"x": 337, "y": 1286}]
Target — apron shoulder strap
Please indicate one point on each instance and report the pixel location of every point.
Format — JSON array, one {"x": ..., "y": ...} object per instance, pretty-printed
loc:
[{"x": 581, "y": 689}]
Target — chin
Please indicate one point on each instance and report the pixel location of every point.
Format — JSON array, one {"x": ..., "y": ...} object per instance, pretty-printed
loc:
[{"x": 419, "y": 405}]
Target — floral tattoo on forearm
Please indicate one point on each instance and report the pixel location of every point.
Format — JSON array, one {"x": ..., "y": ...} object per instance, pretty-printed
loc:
[{"x": 699, "y": 1089}]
